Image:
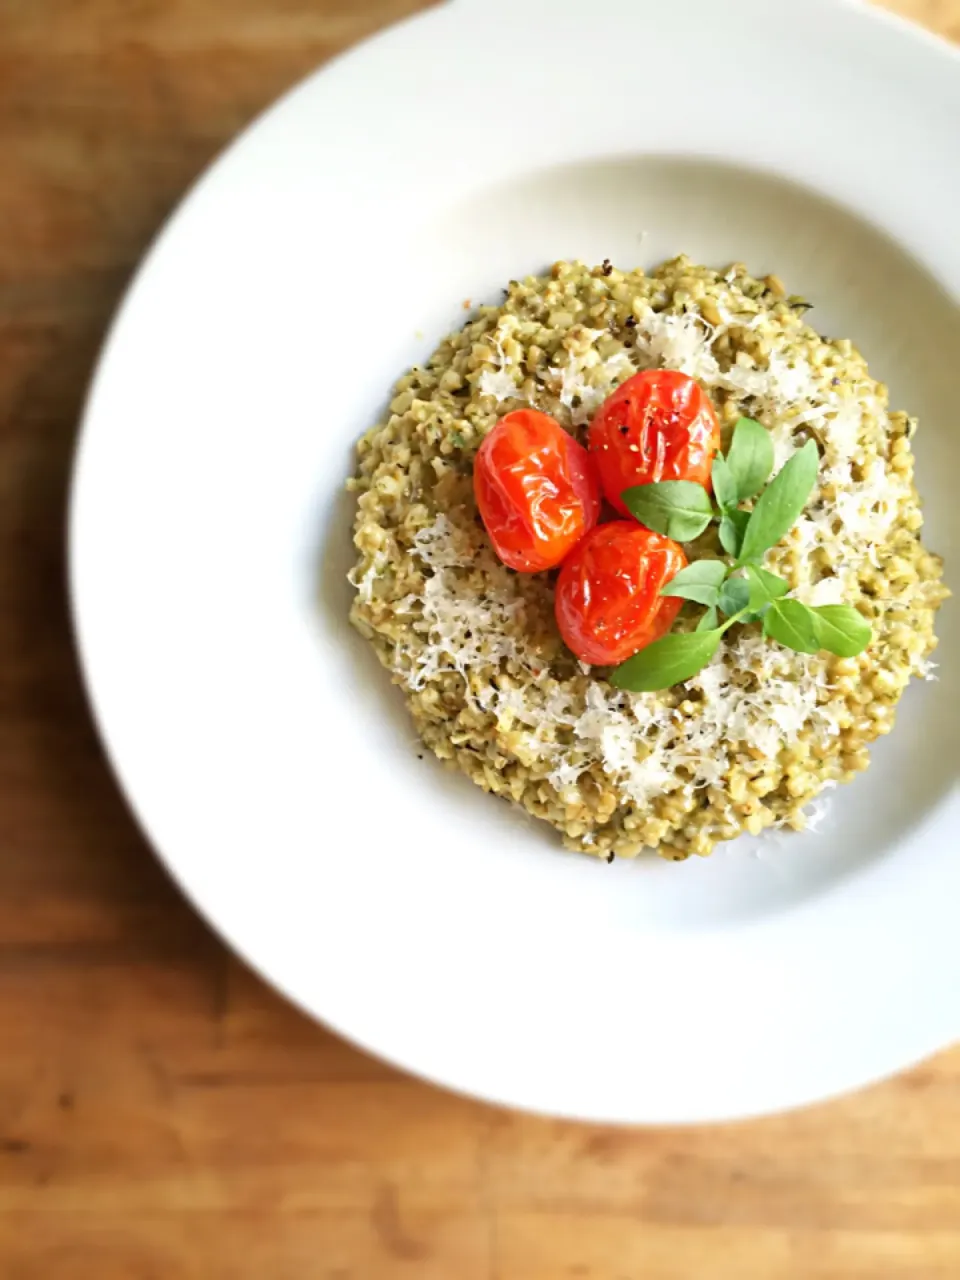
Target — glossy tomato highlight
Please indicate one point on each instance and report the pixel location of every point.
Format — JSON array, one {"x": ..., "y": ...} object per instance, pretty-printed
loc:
[
  {"x": 537, "y": 490},
  {"x": 608, "y": 601},
  {"x": 658, "y": 425}
]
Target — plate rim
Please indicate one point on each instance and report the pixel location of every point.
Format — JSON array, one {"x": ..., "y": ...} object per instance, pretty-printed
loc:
[{"x": 182, "y": 211}]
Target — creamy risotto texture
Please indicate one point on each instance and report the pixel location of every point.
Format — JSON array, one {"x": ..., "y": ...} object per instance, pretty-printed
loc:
[{"x": 755, "y": 736}]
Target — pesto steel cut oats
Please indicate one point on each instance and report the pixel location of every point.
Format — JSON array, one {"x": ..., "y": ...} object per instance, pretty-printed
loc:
[{"x": 750, "y": 740}]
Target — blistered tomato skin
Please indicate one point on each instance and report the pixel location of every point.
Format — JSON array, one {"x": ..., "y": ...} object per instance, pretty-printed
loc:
[
  {"x": 658, "y": 425},
  {"x": 536, "y": 489},
  {"x": 608, "y": 601}
]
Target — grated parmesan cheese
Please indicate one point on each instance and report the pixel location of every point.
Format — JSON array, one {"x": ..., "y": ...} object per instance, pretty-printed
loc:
[
  {"x": 527, "y": 715},
  {"x": 582, "y": 398},
  {"x": 499, "y": 382},
  {"x": 794, "y": 399},
  {"x": 644, "y": 747},
  {"x": 364, "y": 583},
  {"x": 752, "y": 694},
  {"x": 464, "y": 630}
]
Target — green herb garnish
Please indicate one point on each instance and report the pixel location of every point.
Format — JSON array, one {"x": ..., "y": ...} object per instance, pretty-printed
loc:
[
  {"x": 765, "y": 587},
  {"x": 841, "y": 629},
  {"x": 725, "y": 488},
  {"x": 667, "y": 661},
  {"x": 734, "y": 597},
  {"x": 680, "y": 509},
  {"x": 793, "y": 625},
  {"x": 749, "y": 461},
  {"x": 779, "y": 506},
  {"x": 740, "y": 589},
  {"x": 700, "y": 581},
  {"x": 733, "y": 525}
]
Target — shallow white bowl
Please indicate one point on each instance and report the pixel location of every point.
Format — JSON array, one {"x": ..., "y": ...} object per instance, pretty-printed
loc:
[{"x": 259, "y": 743}]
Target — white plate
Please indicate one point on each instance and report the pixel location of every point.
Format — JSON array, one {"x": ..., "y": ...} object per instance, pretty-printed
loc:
[{"x": 261, "y": 746}]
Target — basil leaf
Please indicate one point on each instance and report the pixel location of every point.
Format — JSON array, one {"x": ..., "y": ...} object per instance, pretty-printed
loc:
[
  {"x": 765, "y": 587},
  {"x": 793, "y": 625},
  {"x": 733, "y": 525},
  {"x": 841, "y": 629},
  {"x": 734, "y": 596},
  {"x": 667, "y": 661},
  {"x": 679, "y": 509},
  {"x": 780, "y": 503},
  {"x": 749, "y": 458},
  {"x": 724, "y": 485},
  {"x": 709, "y": 620},
  {"x": 700, "y": 581}
]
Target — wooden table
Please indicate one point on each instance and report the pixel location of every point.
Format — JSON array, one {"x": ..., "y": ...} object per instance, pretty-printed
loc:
[{"x": 163, "y": 1116}]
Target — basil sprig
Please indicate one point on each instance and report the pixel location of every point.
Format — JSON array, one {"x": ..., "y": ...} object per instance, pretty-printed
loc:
[
  {"x": 667, "y": 661},
  {"x": 841, "y": 629},
  {"x": 778, "y": 507},
  {"x": 743, "y": 591},
  {"x": 725, "y": 488},
  {"x": 700, "y": 581},
  {"x": 733, "y": 525},
  {"x": 793, "y": 625},
  {"x": 749, "y": 461},
  {"x": 680, "y": 509}
]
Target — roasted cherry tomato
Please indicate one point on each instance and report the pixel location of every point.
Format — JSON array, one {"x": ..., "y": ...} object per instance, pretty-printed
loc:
[
  {"x": 658, "y": 425},
  {"x": 608, "y": 600},
  {"x": 537, "y": 490}
]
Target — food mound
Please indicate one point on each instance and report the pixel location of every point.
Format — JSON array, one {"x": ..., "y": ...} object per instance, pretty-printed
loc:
[{"x": 643, "y": 552}]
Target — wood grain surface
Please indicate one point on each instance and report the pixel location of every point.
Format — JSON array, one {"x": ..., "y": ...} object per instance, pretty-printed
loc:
[{"x": 163, "y": 1116}]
